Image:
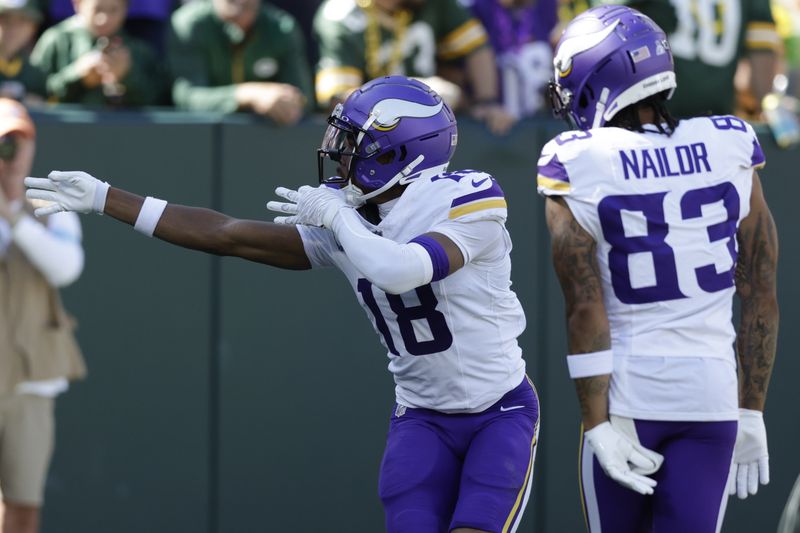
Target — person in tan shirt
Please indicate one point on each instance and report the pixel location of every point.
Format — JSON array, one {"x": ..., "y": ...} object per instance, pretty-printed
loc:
[{"x": 38, "y": 352}]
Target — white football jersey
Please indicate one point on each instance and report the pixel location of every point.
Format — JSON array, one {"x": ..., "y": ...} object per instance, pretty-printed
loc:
[
  {"x": 664, "y": 211},
  {"x": 452, "y": 344}
]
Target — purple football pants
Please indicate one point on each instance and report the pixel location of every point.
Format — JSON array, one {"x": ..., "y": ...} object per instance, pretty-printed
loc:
[
  {"x": 441, "y": 472},
  {"x": 691, "y": 494}
]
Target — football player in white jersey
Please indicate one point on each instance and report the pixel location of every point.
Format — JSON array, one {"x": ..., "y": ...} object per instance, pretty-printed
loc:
[
  {"x": 655, "y": 225},
  {"x": 431, "y": 268}
]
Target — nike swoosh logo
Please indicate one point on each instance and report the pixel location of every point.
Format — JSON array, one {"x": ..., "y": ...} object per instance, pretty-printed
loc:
[
  {"x": 504, "y": 409},
  {"x": 479, "y": 182}
]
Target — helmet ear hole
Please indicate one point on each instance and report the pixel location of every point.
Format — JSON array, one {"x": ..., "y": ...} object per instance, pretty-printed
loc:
[
  {"x": 387, "y": 158},
  {"x": 403, "y": 153},
  {"x": 583, "y": 101}
]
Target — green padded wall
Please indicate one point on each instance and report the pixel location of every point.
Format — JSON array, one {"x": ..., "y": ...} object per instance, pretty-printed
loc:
[
  {"x": 133, "y": 439},
  {"x": 782, "y": 417},
  {"x": 305, "y": 395}
]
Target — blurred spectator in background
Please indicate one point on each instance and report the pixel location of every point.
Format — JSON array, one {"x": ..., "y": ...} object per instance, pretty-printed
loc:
[
  {"x": 567, "y": 10},
  {"x": 519, "y": 31},
  {"x": 19, "y": 25},
  {"x": 303, "y": 12},
  {"x": 239, "y": 55},
  {"x": 787, "y": 21},
  {"x": 435, "y": 41},
  {"x": 147, "y": 19},
  {"x": 38, "y": 352},
  {"x": 89, "y": 59},
  {"x": 708, "y": 40}
]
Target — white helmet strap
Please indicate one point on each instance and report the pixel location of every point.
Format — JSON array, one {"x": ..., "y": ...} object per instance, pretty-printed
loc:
[
  {"x": 402, "y": 177},
  {"x": 600, "y": 107},
  {"x": 649, "y": 86}
]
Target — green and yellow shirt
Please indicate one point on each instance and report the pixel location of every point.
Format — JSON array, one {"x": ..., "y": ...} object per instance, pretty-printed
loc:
[
  {"x": 58, "y": 48},
  {"x": 209, "y": 57},
  {"x": 357, "y": 43}
]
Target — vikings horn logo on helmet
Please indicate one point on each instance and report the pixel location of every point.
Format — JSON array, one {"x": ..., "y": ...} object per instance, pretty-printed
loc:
[
  {"x": 387, "y": 113},
  {"x": 608, "y": 58},
  {"x": 390, "y": 131},
  {"x": 569, "y": 47}
]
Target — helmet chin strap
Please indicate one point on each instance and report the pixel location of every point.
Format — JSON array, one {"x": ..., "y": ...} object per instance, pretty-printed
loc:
[{"x": 397, "y": 178}]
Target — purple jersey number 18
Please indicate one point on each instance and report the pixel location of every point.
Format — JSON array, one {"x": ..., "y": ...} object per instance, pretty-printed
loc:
[{"x": 441, "y": 338}]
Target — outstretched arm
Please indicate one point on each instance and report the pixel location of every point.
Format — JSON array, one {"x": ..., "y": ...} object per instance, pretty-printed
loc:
[
  {"x": 191, "y": 227},
  {"x": 756, "y": 286},
  {"x": 209, "y": 231}
]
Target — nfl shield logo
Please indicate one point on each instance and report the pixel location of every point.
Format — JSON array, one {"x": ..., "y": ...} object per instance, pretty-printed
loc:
[{"x": 400, "y": 411}]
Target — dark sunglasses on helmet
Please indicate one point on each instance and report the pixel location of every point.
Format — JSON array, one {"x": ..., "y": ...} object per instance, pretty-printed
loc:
[{"x": 8, "y": 147}]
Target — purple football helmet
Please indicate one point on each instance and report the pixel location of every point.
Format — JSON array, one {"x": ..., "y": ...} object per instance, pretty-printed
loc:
[
  {"x": 389, "y": 131},
  {"x": 608, "y": 58}
]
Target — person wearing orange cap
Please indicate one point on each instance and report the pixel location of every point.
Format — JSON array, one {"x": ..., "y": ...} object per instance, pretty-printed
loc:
[{"x": 38, "y": 352}]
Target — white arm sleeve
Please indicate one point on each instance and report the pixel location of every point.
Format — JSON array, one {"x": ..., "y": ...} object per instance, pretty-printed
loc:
[
  {"x": 393, "y": 267},
  {"x": 319, "y": 244},
  {"x": 55, "y": 250}
]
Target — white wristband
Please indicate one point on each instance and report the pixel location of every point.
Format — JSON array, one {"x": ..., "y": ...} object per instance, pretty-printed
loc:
[
  {"x": 100, "y": 193},
  {"x": 149, "y": 215},
  {"x": 590, "y": 364}
]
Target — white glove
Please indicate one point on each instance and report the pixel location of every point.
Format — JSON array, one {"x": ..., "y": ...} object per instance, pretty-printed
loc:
[
  {"x": 622, "y": 459},
  {"x": 67, "y": 191},
  {"x": 750, "y": 456},
  {"x": 312, "y": 206}
]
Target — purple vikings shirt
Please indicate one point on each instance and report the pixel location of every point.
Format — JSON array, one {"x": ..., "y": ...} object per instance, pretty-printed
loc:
[
  {"x": 153, "y": 9},
  {"x": 520, "y": 38}
]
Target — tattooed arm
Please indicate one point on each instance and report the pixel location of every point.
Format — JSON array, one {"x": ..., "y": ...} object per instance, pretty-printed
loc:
[
  {"x": 575, "y": 264},
  {"x": 756, "y": 287}
]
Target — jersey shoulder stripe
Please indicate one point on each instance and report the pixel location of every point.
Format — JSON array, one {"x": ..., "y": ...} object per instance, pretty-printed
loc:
[
  {"x": 739, "y": 135},
  {"x": 470, "y": 195},
  {"x": 484, "y": 194},
  {"x": 477, "y": 206},
  {"x": 552, "y": 178},
  {"x": 758, "y": 159}
]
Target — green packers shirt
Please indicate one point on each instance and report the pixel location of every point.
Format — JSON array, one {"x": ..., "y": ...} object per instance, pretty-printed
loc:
[{"x": 357, "y": 43}]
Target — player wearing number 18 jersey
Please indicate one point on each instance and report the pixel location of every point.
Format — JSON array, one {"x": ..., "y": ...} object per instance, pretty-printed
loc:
[
  {"x": 656, "y": 224},
  {"x": 441, "y": 355},
  {"x": 431, "y": 269}
]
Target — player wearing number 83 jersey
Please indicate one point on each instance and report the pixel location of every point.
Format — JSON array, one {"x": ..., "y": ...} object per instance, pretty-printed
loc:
[
  {"x": 664, "y": 211},
  {"x": 656, "y": 224}
]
